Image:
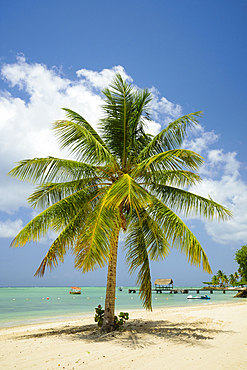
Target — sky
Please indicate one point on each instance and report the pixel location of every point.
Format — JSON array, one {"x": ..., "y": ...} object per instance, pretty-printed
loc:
[{"x": 190, "y": 54}]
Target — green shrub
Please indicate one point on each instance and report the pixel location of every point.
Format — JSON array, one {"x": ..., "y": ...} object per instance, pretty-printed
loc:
[{"x": 119, "y": 321}]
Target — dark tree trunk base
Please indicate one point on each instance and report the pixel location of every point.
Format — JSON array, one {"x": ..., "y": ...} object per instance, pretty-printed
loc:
[{"x": 242, "y": 294}]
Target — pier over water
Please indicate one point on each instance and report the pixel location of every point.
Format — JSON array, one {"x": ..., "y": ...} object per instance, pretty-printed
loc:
[{"x": 160, "y": 290}]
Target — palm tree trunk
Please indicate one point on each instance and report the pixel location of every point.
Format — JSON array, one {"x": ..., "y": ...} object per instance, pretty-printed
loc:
[{"x": 108, "y": 321}]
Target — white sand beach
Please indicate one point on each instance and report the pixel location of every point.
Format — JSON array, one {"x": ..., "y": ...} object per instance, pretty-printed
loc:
[{"x": 206, "y": 337}]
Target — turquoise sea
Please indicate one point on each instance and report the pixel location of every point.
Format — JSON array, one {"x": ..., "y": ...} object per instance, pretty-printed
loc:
[{"x": 27, "y": 305}]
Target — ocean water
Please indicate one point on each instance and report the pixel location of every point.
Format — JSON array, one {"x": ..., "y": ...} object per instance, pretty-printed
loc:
[{"x": 27, "y": 305}]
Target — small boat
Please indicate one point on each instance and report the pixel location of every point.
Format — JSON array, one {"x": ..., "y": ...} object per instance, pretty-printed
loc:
[
  {"x": 75, "y": 290},
  {"x": 196, "y": 297}
]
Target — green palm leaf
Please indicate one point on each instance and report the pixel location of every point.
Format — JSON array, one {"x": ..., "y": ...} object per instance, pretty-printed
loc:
[
  {"x": 48, "y": 194},
  {"x": 172, "y": 136},
  {"x": 188, "y": 203},
  {"x": 172, "y": 160},
  {"x": 51, "y": 169},
  {"x": 93, "y": 246},
  {"x": 82, "y": 143},
  {"x": 65, "y": 241},
  {"x": 55, "y": 218},
  {"x": 179, "y": 178},
  {"x": 179, "y": 235},
  {"x": 137, "y": 258}
]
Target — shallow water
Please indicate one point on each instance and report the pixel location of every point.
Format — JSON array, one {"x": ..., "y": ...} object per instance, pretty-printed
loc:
[{"x": 26, "y": 305}]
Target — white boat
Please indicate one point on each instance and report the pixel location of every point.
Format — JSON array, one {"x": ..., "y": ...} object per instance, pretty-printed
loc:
[{"x": 197, "y": 297}]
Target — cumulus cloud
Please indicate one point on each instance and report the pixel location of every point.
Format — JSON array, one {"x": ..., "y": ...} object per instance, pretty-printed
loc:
[
  {"x": 10, "y": 229},
  {"x": 100, "y": 80},
  {"x": 163, "y": 110},
  {"x": 221, "y": 179},
  {"x": 199, "y": 140}
]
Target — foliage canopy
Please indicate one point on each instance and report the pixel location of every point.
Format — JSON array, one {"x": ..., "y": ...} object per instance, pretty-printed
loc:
[{"x": 241, "y": 259}]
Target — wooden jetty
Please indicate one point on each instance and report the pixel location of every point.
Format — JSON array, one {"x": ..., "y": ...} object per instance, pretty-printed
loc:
[
  {"x": 166, "y": 286},
  {"x": 159, "y": 290}
]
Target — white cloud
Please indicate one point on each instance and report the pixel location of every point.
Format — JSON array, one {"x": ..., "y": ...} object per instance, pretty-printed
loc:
[
  {"x": 162, "y": 109},
  {"x": 10, "y": 229},
  {"x": 199, "y": 140},
  {"x": 100, "y": 80},
  {"x": 222, "y": 181}
]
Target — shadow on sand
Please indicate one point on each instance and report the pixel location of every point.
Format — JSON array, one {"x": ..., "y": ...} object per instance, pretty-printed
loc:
[{"x": 137, "y": 333}]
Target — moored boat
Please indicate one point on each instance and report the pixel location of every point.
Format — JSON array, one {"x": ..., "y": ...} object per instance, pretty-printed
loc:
[
  {"x": 196, "y": 297},
  {"x": 75, "y": 290}
]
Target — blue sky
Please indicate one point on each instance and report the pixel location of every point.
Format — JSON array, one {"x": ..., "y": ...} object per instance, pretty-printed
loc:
[{"x": 191, "y": 54}]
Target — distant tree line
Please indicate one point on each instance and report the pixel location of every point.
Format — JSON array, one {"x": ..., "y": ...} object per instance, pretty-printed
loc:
[{"x": 237, "y": 278}]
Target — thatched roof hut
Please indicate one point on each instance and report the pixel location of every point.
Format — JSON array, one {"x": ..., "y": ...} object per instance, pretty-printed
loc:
[{"x": 163, "y": 282}]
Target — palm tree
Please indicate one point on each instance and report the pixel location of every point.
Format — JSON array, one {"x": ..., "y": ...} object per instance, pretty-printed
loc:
[
  {"x": 121, "y": 180},
  {"x": 236, "y": 276},
  {"x": 232, "y": 279},
  {"x": 220, "y": 274},
  {"x": 224, "y": 279},
  {"x": 215, "y": 280}
]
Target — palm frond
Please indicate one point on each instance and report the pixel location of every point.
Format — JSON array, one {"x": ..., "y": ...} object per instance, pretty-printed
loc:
[
  {"x": 178, "y": 178},
  {"x": 93, "y": 246},
  {"x": 52, "y": 169},
  {"x": 137, "y": 124},
  {"x": 171, "y": 137},
  {"x": 172, "y": 160},
  {"x": 55, "y": 218},
  {"x": 78, "y": 119},
  {"x": 179, "y": 235},
  {"x": 118, "y": 109},
  {"x": 126, "y": 113},
  {"x": 137, "y": 259},
  {"x": 187, "y": 203},
  {"x": 145, "y": 240},
  {"x": 82, "y": 143},
  {"x": 65, "y": 241},
  {"x": 48, "y": 194},
  {"x": 125, "y": 191}
]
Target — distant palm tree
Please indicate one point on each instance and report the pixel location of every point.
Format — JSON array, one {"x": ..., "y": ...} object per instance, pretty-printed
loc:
[
  {"x": 220, "y": 275},
  {"x": 224, "y": 280},
  {"x": 215, "y": 280},
  {"x": 232, "y": 279},
  {"x": 236, "y": 276},
  {"x": 123, "y": 179}
]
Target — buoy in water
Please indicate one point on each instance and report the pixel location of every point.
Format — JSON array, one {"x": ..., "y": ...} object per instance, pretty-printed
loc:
[{"x": 47, "y": 297}]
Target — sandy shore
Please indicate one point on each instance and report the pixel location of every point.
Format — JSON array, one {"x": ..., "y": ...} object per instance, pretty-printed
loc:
[{"x": 205, "y": 337}]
